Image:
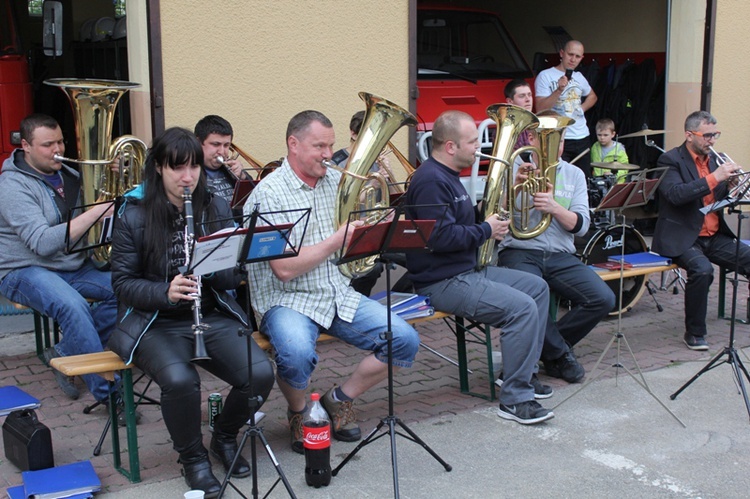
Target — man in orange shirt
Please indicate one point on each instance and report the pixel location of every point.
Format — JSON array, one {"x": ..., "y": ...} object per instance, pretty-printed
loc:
[{"x": 694, "y": 241}]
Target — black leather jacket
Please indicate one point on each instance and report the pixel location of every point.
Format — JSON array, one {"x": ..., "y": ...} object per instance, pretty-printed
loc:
[{"x": 141, "y": 283}]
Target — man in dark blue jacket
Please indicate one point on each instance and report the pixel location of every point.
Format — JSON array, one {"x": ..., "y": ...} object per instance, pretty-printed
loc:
[{"x": 509, "y": 299}]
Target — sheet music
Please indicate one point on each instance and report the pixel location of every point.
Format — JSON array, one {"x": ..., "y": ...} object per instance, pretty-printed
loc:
[{"x": 223, "y": 257}]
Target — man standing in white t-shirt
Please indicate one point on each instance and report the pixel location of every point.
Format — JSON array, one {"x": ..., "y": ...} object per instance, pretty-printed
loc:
[{"x": 562, "y": 89}]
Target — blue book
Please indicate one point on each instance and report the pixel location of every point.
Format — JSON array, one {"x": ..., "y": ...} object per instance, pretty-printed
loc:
[
  {"x": 645, "y": 259},
  {"x": 13, "y": 398},
  {"x": 62, "y": 481},
  {"x": 18, "y": 492},
  {"x": 396, "y": 298},
  {"x": 418, "y": 312},
  {"x": 417, "y": 302}
]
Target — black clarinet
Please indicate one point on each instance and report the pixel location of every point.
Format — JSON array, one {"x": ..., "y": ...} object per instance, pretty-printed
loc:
[{"x": 199, "y": 353}]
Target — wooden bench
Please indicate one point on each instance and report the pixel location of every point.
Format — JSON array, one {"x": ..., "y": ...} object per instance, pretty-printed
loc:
[
  {"x": 106, "y": 364},
  {"x": 44, "y": 336}
]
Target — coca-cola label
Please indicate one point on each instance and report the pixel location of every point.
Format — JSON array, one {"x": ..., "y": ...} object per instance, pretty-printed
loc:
[{"x": 316, "y": 437}]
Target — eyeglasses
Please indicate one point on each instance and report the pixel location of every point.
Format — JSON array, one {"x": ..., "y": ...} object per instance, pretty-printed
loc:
[{"x": 707, "y": 136}]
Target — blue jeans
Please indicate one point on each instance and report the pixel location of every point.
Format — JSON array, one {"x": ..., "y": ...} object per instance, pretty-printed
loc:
[
  {"x": 570, "y": 279},
  {"x": 62, "y": 296},
  {"x": 719, "y": 249},
  {"x": 293, "y": 336},
  {"x": 514, "y": 301}
]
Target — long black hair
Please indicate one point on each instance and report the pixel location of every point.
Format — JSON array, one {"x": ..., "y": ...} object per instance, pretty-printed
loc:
[{"x": 174, "y": 147}]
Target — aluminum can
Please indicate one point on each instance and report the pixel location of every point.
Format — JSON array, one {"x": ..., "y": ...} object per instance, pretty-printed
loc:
[{"x": 215, "y": 405}]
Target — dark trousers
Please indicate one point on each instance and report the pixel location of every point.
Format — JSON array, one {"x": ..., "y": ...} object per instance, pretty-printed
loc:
[
  {"x": 573, "y": 148},
  {"x": 719, "y": 249},
  {"x": 164, "y": 355},
  {"x": 570, "y": 279}
]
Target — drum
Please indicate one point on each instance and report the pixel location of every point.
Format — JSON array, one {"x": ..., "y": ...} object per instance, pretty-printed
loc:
[
  {"x": 606, "y": 242},
  {"x": 598, "y": 187}
]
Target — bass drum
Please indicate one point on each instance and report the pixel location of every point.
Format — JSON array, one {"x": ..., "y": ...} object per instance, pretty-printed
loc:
[{"x": 606, "y": 242}]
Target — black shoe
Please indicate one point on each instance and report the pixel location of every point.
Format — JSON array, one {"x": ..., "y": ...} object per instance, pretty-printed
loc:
[
  {"x": 566, "y": 367},
  {"x": 695, "y": 342},
  {"x": 529, "y": 412},
  {"x": 541, "y": 391},
  {"x": 224, "y": 449},
  {"x": 199, "y": 476},
  {"x": 66, "y": 382}
]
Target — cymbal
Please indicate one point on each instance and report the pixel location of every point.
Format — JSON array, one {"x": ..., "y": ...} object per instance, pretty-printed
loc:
[
  {"x": 614, "y": 165},
  {"x": 642, "y": 133}
]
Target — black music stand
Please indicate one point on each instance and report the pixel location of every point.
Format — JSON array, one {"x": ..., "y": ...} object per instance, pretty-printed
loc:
[
  {"x": 619, "y": 198},
  {"x": 78, "y": 245},
  {"x": 250, "y": 254},
  {"x": 380, "y": 241},
  {"x": 732, "y": 359}
]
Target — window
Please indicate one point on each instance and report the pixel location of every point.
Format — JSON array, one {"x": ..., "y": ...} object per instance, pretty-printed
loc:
[
  {"x": 119, "y": 8},
  {"x": 35, "y": 8}
]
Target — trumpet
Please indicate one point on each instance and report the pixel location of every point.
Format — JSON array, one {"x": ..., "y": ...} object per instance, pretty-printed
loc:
[
  {"x": 199, "y": 351},
  {"x": 227, "y": 168},
  {"x": 742, "y": 187}
]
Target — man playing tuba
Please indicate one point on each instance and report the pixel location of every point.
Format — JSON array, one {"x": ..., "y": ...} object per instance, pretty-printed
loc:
[
  {"x": 35, "y": 269},
  {"x": 503, "y": 298}
]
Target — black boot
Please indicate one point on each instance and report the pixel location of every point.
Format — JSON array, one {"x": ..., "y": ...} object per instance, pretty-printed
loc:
[
  {"x": 198, "y": 475},
  {"x": 224, "y": 447}
]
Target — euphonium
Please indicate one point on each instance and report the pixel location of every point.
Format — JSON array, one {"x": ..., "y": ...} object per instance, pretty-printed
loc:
[
  {"x": 199, "y": 347},
  {"x": 94, "y": 103},
  {"x": 549, "y": 135},
  {"x": 511, "y": 122},
  {"x": 355, "y": 192}
]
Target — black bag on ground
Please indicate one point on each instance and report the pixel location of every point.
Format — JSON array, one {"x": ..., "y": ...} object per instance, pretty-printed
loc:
[{"x": 28, "y": 443}]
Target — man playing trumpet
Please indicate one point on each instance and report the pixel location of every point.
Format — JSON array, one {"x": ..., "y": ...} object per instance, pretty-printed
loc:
[
  {"x": 222, "y": 172},
  {"x": 695, "y": 178}
]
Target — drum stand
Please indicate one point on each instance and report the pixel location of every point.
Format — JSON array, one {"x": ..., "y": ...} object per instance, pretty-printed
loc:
[
  {"x": 619, "y": 337},
  {"x": 732, "y": 358}
]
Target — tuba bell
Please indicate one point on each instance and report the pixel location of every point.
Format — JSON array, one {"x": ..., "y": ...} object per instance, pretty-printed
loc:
[
  {"x": 94, "y": 103},
  {"x": 356, "y": 191}
]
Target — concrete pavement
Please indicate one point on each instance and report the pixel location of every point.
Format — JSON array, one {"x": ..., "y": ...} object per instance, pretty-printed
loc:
[{"x": 611, "y": 439}]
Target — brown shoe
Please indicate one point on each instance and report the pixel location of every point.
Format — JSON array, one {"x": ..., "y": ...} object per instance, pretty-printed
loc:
[
  {"x": 343, "y": 420},
  {"x": 295, "y": 429}
]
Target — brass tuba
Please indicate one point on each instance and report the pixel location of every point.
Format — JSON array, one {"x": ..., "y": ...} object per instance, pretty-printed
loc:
[
  {"x": 500, "y": 195},
  {"x": 355, "y": 192},
  {"x": 511, "y": 122},
  {"x": 94, "y": 103}
]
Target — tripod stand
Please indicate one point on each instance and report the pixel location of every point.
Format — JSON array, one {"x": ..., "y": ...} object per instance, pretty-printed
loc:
[
  {"x": 391, "y": 420},
  {"x": 276, "y": 245},
  {"x": 628, "y": 195},
  {"x": 738, "y": 368}
]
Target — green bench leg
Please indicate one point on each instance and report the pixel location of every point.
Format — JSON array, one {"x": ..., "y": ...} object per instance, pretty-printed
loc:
[
  {"x": 481, "y": 334},
  {"x": 134, "y": 473}
]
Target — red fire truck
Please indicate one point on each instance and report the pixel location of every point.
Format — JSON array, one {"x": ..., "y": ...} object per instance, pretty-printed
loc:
[
  {"x": 465, "y": 57},
  {"x": 15, "y": 87}
]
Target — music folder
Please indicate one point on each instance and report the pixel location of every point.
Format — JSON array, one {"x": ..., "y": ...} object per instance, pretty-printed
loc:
[
  {"x": 388, "y": 233},
  {"x": 105, "y": 236},
  {"x": 634, "y": 193},
  {"x": 242, "y": 190}
]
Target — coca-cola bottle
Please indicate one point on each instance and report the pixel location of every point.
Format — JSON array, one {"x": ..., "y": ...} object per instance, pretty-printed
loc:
[{"x": 316, "y": 431}]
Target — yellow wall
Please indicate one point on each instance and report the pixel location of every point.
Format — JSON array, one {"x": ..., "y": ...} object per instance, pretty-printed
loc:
[
  {"x": 731, "y": 75},
  {"x": 262, "y": 62}
]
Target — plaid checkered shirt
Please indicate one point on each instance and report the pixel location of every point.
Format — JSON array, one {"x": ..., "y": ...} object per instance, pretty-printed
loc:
[{"x": 322, "y": 292}]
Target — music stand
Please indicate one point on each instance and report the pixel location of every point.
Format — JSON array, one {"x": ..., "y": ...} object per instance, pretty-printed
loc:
[
  {"x": 249, "y": 254},
  {"x": 732, "y": 358},
  {"x": 105, "y": 236},
  {"x": 626, "y": 195},
  {"x": 242, "y": 190},
  {"x": 375, "y": 241}
]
